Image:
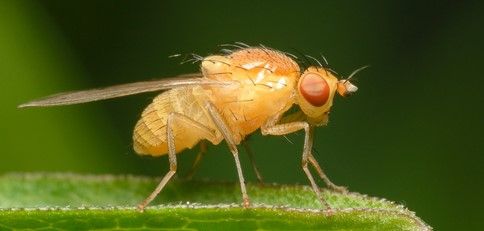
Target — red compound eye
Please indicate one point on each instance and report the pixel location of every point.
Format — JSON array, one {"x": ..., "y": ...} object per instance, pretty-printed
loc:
[{"x": 314, "y": 89}]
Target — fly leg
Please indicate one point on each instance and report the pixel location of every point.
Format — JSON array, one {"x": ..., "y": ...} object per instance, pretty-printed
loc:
[
  {"x": 324, "y": 177},
  {"x": 203, "y": 151},
  {"x": 173, "y": 120},
  {"x": 272, "y": 128},
  {"x": 252, "y": 161},
  {"x": 227, "y": 134},
  {"x": 198, "y": 159}
]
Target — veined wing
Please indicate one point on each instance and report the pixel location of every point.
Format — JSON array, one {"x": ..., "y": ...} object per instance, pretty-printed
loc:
[{"x": 76, "y": 97}]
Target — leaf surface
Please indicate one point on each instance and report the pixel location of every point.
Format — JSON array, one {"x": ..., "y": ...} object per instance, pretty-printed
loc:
[{"x": 104, "y": 202}]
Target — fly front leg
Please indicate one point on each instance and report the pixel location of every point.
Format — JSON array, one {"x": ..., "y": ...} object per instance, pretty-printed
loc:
[
  {"x": 174, "y": 119},
  {"x": 272, "y": 128},
  {"x": 228, "y": 136}
]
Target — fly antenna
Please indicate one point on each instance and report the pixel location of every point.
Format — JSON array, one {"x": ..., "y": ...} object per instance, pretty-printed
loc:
[{"x": 356, "y": 71}]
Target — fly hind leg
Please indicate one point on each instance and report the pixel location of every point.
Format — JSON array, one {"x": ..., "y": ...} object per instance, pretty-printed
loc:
[{"x": 174, "y": 120}]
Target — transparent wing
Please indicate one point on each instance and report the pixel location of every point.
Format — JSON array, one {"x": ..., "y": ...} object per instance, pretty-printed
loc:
[{"x": 76, "y": 97}]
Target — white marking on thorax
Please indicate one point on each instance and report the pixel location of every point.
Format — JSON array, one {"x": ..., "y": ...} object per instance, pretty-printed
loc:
[
  {"x": 281, "y": 83},
  {"x": 249, "y": 66},
  {"x": 260, "y": 76},
  {"x": 262, "y": 72}
]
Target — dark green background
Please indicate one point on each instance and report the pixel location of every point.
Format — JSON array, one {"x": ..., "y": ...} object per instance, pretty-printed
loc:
[{"x": 411, "y": 134}]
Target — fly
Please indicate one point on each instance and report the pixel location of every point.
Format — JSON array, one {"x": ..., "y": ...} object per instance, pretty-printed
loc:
[{"x": 232, "y": 96}]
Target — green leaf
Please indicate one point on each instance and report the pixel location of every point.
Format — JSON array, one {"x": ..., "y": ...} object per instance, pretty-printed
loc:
[{"x": 104, "y": 202}]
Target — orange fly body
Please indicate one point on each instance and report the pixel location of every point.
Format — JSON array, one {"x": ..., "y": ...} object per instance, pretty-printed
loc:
[{"x": 234, "y": 95}]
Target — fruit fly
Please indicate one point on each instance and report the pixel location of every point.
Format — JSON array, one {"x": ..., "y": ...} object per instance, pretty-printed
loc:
[{"x": 234, "y": 95}]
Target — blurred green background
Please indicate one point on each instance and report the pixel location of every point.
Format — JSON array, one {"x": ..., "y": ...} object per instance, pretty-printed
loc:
[{"x": 411, "y": 134}]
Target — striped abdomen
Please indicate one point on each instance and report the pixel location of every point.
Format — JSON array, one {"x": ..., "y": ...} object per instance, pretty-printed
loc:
[{"x": 149, "y": 136}]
